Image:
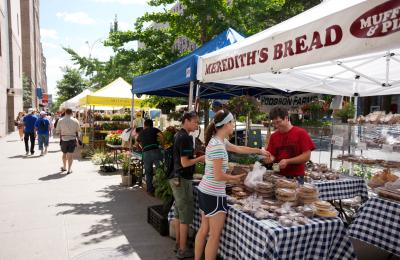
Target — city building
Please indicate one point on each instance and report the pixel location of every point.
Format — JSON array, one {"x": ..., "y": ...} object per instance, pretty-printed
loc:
[
  {"x": 33, "y": 62},
  {"x": 20, "y": 54},
  {"x": 11, "y": 67}
]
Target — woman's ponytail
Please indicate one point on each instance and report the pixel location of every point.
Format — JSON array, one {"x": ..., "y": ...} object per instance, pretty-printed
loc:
[{"x": 210, "y": 131}]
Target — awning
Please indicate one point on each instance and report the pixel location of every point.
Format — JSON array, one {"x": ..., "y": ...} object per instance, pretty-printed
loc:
[
  {"x": 116, "y": 94},
  {"x": 353, "y": 47}
]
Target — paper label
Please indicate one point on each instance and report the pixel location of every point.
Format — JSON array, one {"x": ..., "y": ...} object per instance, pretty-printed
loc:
[{"x": 337, "y": 140}]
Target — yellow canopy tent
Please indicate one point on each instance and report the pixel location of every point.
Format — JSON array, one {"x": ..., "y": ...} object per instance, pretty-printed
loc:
[{"x": 116, "y": 94}]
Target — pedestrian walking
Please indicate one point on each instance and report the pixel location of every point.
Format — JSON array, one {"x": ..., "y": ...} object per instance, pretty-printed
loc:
[
  {"x": 20, "y": 124},
  {"x": 69, "y": 129},
  {"x": 42, "y": 128},
  {"x": 29, "y": 131},
  {"x": 151, "y": 152}
]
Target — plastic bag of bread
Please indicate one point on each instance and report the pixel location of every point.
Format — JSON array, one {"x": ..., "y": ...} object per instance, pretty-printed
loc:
[
  {"x": 255, "y": 176},
  {"x": 380, "y": 178}
]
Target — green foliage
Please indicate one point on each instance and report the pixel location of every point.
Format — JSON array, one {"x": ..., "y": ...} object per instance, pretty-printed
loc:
[
  {"x": 359, "y": 170},
  {"x": 245, "y": 160},
  {"x": 199, "y": 168},
  {"x": 243, "y": 106},
  {"x": 346, "y": 112},
  {"x": 70, "y": 85},
  {"x": 162, "y": 188},
  {"x": 26, "y": 92},
  {"x": 102, "y": 158},
  {"x": 199, "y": 22}
]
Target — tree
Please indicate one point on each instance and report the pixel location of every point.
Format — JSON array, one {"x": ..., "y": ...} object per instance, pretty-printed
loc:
[{"x": 70, "y": 85}]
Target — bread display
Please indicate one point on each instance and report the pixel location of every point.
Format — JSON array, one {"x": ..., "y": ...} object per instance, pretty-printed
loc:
[
  {"x": 307, "y": 194},
  {"x": 381, "y": 178},
  {"x": 325, "y": 209},
  {"x": 285, "y": 183}
]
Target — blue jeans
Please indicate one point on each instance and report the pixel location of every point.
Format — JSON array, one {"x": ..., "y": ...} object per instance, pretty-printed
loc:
[
  {"x": 43, "y": 139},
  {"x": 149, "y": 158}
]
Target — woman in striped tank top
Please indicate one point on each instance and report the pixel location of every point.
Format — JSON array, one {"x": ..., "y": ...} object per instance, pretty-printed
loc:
[{"x": 212, "y": 196}]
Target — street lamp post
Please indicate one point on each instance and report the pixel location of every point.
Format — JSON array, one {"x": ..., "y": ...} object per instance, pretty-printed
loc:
[{"x": 90, "y": 46}]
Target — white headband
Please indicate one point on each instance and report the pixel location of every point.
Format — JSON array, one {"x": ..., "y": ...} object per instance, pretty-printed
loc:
[{"x": 226, "y": 120}]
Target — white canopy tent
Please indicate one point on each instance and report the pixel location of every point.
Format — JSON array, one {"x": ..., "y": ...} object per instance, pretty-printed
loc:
[
  {"x": 73, "y": 103},
  {"x": 329, "y": 36}
]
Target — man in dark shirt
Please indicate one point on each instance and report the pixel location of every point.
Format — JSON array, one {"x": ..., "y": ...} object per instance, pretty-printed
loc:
[
  {"x": 29, "y": 131},
  {"x": 151, "y": 151},
  {"x": 181, "y": 185}
]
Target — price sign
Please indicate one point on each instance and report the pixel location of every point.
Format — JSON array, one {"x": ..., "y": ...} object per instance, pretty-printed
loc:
[
  {"x": 337, "y": 140},
  {"x": 387, "y": 148},
  {"x": 362, "y": 146}
]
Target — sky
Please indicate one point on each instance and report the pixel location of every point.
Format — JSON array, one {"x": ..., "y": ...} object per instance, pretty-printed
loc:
[{"x": 82, "y": 25}]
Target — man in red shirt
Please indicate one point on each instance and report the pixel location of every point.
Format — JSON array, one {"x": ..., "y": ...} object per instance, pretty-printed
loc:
[{"x": 289, "y": 146}]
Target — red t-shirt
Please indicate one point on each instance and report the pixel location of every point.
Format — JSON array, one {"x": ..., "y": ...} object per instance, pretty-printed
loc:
[{"x": 288, "y": 145}]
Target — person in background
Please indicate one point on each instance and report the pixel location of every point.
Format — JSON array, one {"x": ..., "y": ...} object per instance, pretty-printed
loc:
[
  {"x": 289, "y": 146},
  {"x": 20, "y": 124},
  {"x": 69, "y": 129},
  {"x": 181, "y": 184},
  {"x": 212, "y": 196},
  {"x": 42, "y": 128},
  {"x": 29, "y": 130},
  {"x": 216, "y": 106},
  {"x": 151, "y": 152}
]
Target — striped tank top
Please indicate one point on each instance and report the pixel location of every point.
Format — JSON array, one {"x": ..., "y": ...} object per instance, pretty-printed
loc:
[{"x": 216, "y": 149}]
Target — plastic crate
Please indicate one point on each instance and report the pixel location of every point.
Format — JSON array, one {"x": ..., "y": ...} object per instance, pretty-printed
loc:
[{"x": 156, "y": 218}]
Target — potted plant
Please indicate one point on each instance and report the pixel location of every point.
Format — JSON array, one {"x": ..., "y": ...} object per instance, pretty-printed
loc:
[
  {"x": 348, "y": 110},
  {"x": 114, "y": 138},
  {"x": 127, "y": 178}
]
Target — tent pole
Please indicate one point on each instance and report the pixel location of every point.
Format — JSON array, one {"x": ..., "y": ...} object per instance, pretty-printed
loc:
[
  {"x": 387, "y": 68},
  {"x": 132, "y": 108},
  {"x": 191, "y": 95},
  {"x": 356, "y": 95},
  {"x": 197, "y": 101}
]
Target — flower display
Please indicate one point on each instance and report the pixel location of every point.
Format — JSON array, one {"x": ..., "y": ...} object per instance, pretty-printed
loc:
[{"x": 114, "y": 138}]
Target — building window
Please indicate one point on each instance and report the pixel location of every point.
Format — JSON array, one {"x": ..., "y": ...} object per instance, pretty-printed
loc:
[{"x": 18, "y": 23}]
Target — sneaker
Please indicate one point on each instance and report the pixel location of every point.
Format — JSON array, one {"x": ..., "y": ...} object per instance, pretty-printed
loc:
[{"x": 184, "y": 254}]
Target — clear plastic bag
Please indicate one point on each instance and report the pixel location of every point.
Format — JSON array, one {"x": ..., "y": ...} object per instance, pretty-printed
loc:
[{"x": 255, "y": 176}]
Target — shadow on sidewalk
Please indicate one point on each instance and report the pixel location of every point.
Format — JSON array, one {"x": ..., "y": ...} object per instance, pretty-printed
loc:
[
  {"x": 128, "y": 210},
  {"x": 16, "y": 156},
  {"x": 53, "y": 176},
  {"x": 54, "y": 151},
  {"x": 24, "y": 156},
  {"x": 13, "y": 141}
]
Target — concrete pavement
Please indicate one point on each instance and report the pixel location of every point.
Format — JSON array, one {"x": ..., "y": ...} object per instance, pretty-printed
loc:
[{"x": 45, "y": 214}]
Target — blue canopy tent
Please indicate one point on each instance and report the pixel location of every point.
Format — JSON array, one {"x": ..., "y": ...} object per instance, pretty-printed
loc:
[{"x": 174, "y": 80}]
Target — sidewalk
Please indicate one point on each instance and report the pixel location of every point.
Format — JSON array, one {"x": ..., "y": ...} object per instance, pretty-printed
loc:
[{"x": 46, "y": 214}]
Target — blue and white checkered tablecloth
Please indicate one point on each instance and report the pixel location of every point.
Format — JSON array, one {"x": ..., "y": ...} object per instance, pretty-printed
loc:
[
  {"x": 343, "y": 188},
  {"x": 378, "y": 223},
  {"x": 244, "y": 237}
]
